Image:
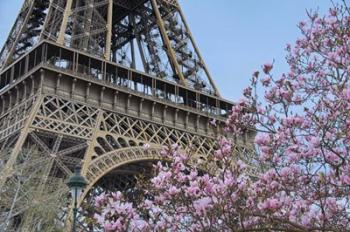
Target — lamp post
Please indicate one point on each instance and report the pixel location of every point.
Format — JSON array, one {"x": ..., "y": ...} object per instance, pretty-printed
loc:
[{"x": 76, "y": 184}]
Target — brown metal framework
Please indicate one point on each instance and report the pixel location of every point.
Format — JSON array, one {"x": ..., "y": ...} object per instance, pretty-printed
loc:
[
  {"x": 153, "y": 33},
  {"x": 72, "y": 92}
]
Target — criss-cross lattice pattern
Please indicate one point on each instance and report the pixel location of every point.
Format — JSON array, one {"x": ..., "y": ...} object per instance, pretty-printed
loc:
[
  {"x": 12, "y": 121},
  {"x": 148, "y": 132},
  {"x": 67, "y": 117},
  {"x": 79, "y": 120}
]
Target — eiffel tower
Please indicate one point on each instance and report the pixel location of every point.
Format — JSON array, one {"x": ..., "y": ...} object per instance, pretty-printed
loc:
[{"x": 90, "y": 83}]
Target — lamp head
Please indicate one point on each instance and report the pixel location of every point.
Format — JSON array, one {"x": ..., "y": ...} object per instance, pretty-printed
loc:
[{"x": 76, "y": 183}]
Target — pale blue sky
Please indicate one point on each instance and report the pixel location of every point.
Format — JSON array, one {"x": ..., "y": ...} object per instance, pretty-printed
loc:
[{"x": 235, "y": 36}]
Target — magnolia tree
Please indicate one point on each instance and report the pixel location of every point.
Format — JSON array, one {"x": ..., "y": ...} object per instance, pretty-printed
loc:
[{"x": 303, "y": 143}]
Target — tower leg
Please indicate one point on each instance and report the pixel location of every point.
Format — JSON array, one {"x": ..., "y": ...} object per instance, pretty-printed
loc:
[
  {"x": 8, "y": 169},
  {"x": 86, "y": 162}
]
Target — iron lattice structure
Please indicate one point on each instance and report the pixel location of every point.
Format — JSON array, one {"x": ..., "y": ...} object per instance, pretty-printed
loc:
[{"x": 90, "y": 82}]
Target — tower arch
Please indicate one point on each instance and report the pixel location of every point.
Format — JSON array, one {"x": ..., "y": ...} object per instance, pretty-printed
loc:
[{"x": 110, "y": 161}]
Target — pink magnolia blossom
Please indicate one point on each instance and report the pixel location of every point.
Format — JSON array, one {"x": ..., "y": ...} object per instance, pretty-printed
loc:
[
  {"x": 267, "y": 68},
  {"x": 213, "y": 122}
]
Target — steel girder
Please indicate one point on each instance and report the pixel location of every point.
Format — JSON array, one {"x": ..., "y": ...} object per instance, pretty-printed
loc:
[{"x": 151, "y": 31}]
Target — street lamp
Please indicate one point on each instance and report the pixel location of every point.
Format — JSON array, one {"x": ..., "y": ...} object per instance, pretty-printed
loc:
[{"x": 76, "y": 184}]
